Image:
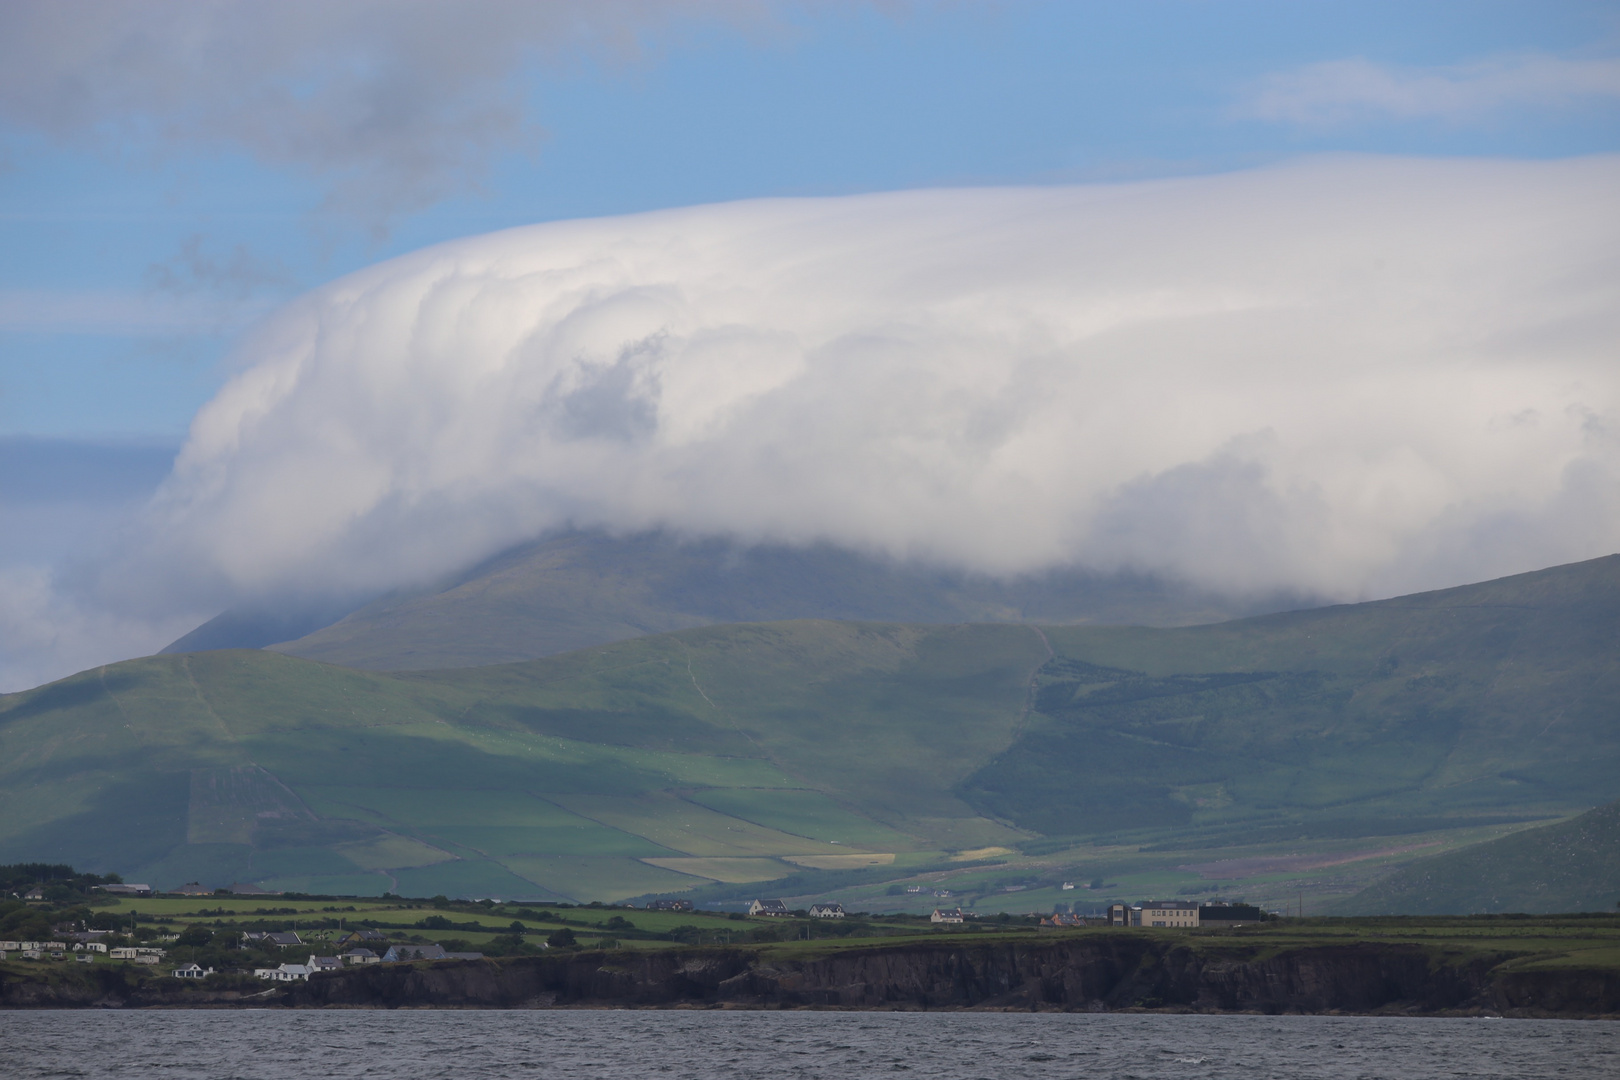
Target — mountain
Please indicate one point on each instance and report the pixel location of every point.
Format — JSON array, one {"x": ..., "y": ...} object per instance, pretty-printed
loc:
[
  {"x": 1571, "y": 866},
  {"x": 748, "y": 752},
  {"x": 581, "y": 589}
]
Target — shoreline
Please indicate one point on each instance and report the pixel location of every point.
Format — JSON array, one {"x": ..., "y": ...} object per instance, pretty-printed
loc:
[{"x": 1109, "y": 972}]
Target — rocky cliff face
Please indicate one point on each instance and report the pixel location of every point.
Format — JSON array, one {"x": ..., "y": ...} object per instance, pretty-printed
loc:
[{"x": 1094, "y": 972}]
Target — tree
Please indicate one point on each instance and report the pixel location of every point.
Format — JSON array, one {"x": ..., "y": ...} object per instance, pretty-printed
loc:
[
  {"x": 194, "y": 935},
  {"x": 561, "y": 939}
]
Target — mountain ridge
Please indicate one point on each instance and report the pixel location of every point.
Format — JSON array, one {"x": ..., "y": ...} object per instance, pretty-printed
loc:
[
  {"x": 580, "y": 589},
  {"x": 739, "y": 753}
]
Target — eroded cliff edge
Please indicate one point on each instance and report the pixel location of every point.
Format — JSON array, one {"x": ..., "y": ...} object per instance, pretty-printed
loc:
[{"x": 1102, "y": 972}]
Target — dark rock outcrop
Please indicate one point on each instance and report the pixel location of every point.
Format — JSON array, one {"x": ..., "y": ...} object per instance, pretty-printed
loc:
[{"x": 1092, "y": 972}]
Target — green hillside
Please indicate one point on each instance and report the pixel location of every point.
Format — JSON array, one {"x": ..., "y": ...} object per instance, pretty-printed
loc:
[
  {"x": 844, "y": 755},
  {"x": 606, "y": 773},
  {"x": 583, "y": 589},
  {"x": 1571, "y": 866},
  {"x": 1503, "y": 696}
]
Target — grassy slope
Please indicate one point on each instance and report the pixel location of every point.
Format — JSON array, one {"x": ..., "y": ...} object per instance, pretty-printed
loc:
[
  {"x": 632, "y": 767},
  {"x": 1494, "y": 698},
  {"x": 1571, "y": 866},
  {"x": 579, "y": 590}
]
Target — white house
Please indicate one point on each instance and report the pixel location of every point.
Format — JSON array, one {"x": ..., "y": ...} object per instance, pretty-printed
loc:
[
  {"x": 360, "y": 956},
  {"x": 768, "y": 907},
  {"x": 323, "y": 963},
  {"x": 284, "y": 973},
  {"x": 827, "y": 911},
  {"x": 946, "y": 915},
  {"x": 191, "y": 971}
]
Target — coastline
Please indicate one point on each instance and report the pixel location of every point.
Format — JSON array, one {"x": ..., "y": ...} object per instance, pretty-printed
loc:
[{"x": 1086, "y": 972}]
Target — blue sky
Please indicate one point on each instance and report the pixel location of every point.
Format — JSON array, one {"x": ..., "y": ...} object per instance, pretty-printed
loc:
[{"x": 134, "y": 256}]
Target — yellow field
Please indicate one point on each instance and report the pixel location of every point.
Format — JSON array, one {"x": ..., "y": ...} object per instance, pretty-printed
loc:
[{"x": 842, "y": 862}]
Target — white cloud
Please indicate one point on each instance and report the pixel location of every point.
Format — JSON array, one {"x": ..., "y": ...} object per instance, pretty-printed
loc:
[
  {"x": 1356, "y": 89},
  {"x": 1347, "y": 376},
  {"x": 48, "y": 631},
  {"x": 390, "y": 104}
]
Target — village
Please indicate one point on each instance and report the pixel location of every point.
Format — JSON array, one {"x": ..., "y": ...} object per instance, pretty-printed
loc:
[{"x": 98, "y": 921}]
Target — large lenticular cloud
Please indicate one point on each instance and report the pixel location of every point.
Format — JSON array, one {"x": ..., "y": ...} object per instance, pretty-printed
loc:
[{"x": 1349, "y": 376}]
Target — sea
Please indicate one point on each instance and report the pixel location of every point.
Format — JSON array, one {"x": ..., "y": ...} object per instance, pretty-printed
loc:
[{"x": 407, "y": 1045}]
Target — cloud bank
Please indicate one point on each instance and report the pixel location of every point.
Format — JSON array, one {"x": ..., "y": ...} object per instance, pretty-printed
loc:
[{"x": 1345, "y": 376}]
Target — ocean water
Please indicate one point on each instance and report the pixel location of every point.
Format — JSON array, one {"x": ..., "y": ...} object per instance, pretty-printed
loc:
[{"x": 407, "y": 1045}]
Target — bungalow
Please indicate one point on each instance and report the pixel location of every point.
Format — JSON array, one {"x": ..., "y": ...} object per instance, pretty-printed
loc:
[
  {"x": 36, "y": 893},
  {"x": 245, "y": 888},
  {"x": 406, "y": 954},
  {"x": 1062, "y": 918},
  {"x": 946, "y": 915},
  {"x": 266, "y": 938},
  {"x": 323, "y": 963},
  {"x": 827, "y": 911},
  {"x": 769, "y": 907},
  {"x": 670, "y": 905},
  {"x": 362, "y": 937},
  {"x": 284, "y": 973},
  {"x": 125, "y": 890},
  {"x": 191, "y": 971},
  {"x": 360, "y": 956},
  {"x": 193, "y": 888}
]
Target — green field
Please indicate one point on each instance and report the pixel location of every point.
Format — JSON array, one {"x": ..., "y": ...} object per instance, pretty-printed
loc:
[{"x": 1288, "y": 758}]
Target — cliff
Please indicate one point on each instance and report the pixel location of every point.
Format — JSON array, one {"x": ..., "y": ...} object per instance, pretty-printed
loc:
[{"x": 1085, "y": 973}]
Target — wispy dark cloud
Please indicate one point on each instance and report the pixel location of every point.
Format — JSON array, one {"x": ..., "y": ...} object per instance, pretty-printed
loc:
[
  {"x": 389, "y": 104},
  {"x": 236, "y": 274}
]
